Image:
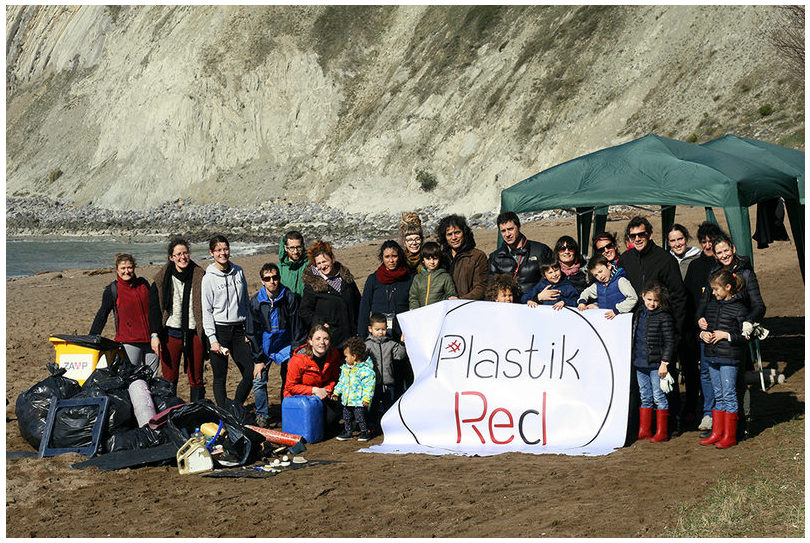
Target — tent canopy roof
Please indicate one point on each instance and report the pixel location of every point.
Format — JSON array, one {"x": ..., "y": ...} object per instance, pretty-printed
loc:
[{"x": 652, "y": 170}]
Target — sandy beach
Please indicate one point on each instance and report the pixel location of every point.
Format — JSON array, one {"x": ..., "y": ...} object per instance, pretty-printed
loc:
[{"x": 511, "y": 495}]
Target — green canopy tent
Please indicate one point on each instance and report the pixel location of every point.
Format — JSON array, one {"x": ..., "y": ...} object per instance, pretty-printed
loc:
[
  {"x": 654, "y": 170},
  {"x": 784, "y": 159}
]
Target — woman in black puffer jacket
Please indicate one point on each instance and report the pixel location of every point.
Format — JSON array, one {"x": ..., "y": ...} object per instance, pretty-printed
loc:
[{"x": 724, "y": 348}]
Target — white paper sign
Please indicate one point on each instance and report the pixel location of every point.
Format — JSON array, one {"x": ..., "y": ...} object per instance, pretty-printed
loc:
[{"x": 491, "y": 378}]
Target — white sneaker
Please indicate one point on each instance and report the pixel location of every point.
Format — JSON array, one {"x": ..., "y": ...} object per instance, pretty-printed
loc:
[{"x": 705, "y": 423}]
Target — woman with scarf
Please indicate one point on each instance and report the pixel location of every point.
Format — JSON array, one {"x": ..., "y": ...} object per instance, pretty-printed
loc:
[
  {"x": 128, "y": 298},
  {"x": 331, "y": 296},
  {"x": 412, "y": 236},
  {"x": 386, "y": 290},
  {"x": 176, "y": 304},
  {"x": 572, "y": 263}
]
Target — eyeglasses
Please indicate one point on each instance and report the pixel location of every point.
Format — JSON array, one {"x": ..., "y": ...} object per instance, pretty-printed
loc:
[
  {"x": 177, "y": 255},
  {"x": 562, "y": 248},
  {"x": 413, "y": 239},
  {"x": 638, "y": 235},
  {"x": 604, "y": 248},
  {"x": 294, "y": 247},
  {"x": 270, "y": 278}
]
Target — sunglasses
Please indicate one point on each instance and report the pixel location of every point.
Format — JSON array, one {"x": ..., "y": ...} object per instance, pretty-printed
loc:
[
  {"x": 565, "y": 248},
  {"x": 270, "y": 278},
  {"x": 604, "y": 248},
  {"x": 638, "y": 235}
]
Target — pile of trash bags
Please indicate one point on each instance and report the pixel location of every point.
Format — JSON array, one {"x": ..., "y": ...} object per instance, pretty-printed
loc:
[{"x": 73, "y": 425}]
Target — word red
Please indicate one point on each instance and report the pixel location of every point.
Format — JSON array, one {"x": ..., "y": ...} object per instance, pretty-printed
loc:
[{"x": 505, "y": 421}]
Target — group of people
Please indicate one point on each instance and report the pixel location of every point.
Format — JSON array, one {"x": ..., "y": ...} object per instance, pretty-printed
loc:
[{"x": 347, "y": 348}]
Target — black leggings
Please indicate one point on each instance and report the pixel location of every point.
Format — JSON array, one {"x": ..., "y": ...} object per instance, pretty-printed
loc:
[{"x": 232, "y": 336}]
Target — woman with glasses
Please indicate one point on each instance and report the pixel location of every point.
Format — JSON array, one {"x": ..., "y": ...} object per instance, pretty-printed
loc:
[
  {"x": 412, "y": 236},
  {"x": 274, "y": 329},
  {"x": 572, "y": 263},
  {"x": 604, "y": 243},
  {"x": 178, "y": 307}
]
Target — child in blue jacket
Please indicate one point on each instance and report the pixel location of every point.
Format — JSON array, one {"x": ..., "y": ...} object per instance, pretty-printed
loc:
[
  {"x": 554, "y": 290},
  {"x": 611, "y": 290}
]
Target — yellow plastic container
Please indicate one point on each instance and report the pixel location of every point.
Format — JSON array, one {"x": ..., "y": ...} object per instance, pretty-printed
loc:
[
  {"x": 193, "y": 457},
  {"x": 80, "y": 361}
]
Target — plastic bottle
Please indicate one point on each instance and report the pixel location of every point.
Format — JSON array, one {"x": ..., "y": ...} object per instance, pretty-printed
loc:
[{"x": 198, "y": 435}]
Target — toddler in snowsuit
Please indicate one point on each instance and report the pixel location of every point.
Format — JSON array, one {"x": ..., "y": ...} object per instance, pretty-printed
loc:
[{"x": 355, "y": 388}]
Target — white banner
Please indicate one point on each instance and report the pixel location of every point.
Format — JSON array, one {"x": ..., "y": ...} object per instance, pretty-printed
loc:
[{"x": 493, "y": 378}]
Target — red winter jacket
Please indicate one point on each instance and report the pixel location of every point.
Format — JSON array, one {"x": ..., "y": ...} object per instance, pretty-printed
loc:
[{"x": 303, "y": 373}]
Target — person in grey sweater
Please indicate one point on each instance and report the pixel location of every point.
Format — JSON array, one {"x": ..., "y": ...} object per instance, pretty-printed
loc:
[
  {"x": 224, "y": 310},
  {"x": 388, "y": 355}
]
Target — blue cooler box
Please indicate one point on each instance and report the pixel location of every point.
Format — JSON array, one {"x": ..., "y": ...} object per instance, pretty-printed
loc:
[{"x": 303, "y": 415}]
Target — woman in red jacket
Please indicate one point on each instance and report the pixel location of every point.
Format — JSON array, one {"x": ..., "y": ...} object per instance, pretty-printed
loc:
[
  {"x": 313, "y": 370},
  {"x": 128, "y": 298}
]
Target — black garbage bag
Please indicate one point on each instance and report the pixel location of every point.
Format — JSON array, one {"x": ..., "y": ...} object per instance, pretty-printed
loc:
[
  {"x": 32, "y": 405},
  {"x": 73, "y": 426},
  {"x": 162, "y": 394},
  {"x": 110, "y": 383},
  {"x": 138, "y": 438},
  {"x": 242, "y": 444}
]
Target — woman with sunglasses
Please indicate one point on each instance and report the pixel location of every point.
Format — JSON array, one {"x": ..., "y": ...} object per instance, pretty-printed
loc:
[
  {"x": 604, "y": 243},
  {"x": 572, "y": 263}
]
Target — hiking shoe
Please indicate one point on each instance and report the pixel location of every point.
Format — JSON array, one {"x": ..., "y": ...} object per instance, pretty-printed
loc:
[
  {"x": 705, "y": 423},
  {"x": 262, "y": 421},
  {"x": 364, "y": 436},
  {"x": 345, "y": 436}
]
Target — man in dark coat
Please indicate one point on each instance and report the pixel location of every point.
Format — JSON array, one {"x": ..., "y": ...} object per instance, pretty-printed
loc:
[{"x": 518, "y": 256}]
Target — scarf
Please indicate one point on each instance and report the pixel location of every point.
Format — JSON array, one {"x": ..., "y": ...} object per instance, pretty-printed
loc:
[
  {"x": 184, "y": 277},
  {"x": 334, "y": 280},
  {"x": 386, "y": 276},
  {"x": 570, "y": 270},
  {"x": 412, "y": 262}
]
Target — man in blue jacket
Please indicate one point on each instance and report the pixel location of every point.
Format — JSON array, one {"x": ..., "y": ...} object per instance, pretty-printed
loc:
[{"x": 274, "y": 330}]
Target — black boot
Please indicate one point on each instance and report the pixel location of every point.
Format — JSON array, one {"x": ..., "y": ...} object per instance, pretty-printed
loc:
[{"x": 197, "y": 394}]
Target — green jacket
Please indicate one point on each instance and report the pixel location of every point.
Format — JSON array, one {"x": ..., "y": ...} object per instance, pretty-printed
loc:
[
  {"x": 356, "y": 383},
  {"x": 441, "y": 288},
  {"x": 291, "y": 272}
]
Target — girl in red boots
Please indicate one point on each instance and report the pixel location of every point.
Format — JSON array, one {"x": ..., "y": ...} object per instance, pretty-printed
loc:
[
  {"x": 723, "y": 350},
  {"x": 653, "y": 349}
]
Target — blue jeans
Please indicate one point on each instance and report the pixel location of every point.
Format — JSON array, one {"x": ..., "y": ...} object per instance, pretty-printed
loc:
[
  {"x": 649, "y": 387},
  {"x": 723, "y": 373},
  {"x": 706, "y": 384},
  {"x": 260, "y": 393}
]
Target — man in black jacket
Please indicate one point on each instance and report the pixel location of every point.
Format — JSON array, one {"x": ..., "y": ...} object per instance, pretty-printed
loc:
[
  {"x": 647, "y": 262},
  {"x": 518, "y": 256}
]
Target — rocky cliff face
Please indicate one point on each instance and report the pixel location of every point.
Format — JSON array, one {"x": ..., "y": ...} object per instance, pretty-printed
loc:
[{"x": 360, "y": 107}]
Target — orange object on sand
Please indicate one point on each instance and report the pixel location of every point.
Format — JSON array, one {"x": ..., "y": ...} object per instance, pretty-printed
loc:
[{"x": 275, "y": 436}]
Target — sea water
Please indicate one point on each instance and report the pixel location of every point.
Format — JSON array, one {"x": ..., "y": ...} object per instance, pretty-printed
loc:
[{"x": 29, "y": 257}]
